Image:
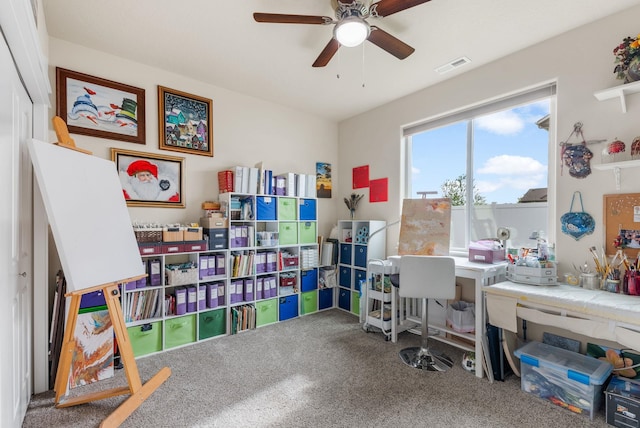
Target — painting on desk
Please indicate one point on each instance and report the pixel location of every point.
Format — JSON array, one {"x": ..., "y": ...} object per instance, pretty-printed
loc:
[
  {"x": 425, "y": 227},
  {"x": 625, "y": 363}
]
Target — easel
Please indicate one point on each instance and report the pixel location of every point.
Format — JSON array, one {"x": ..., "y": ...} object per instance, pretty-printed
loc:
[{"x": 138, "y": 391}]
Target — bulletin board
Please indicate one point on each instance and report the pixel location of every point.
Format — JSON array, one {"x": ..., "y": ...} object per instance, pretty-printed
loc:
[{"x": 622, "y": 214}]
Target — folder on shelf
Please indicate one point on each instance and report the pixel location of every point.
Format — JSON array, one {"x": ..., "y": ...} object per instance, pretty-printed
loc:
[
  {"x": 280, "y": 185},
  {"x": 203, "y": 263},
  {"x": 301, "y": 185},
  {"x": 155, "y": 278},
  {"x": 259, "y": 287},
  {"x": 237, "y": 179},
  {"x": 245, "y": 179},
  {"x": 261, "y": 187},
  {"x": 192, "y": 298},
  {"x": 311, "y": 185},
  {"x": 272, "y": 259},
  {"x": 290, "y": 184},
  {"x": 212, "y": 295},
  {"x": 181, "y": 300},
  {"x": 253, "y": 181},
  {"x": 248, "y": 290},
  {"x": 221, "y": 291},
  {"x": 273, "y": 287},
  {"x": 202, "y": 296},
  {"x": 268, "y": 182},
  {"x": 232, "y": 292},
  {"x": 221, "y": 264},
  {"x": 213, "y": 265}
]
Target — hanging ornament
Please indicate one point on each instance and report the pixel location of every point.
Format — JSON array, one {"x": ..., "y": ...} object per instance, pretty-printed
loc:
[
  {"x": 576, "y": 156},
  {"x": 635, "y": 148},
  {"x": 577, "y": 223},
  {"x": 616, "y": 147}
]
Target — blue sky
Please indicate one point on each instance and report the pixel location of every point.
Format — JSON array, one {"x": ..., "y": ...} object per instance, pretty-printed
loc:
[{"x": 510, "y": 154}]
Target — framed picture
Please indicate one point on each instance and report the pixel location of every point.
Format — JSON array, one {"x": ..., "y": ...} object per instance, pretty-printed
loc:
[
  {"x": 323, "y": 180},
  {"x": 150, "y": 180},
  {"x": 185, "y": 122},
  {"x": 100, "y": 108}
]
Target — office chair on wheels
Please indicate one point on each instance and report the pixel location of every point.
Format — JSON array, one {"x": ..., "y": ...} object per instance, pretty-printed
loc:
[{"x": 426, "y": 277}]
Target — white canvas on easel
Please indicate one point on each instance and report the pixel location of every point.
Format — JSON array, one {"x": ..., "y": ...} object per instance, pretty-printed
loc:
[
  {"x": 425, "y": 228},
  {"x": 88, "y": 216}
]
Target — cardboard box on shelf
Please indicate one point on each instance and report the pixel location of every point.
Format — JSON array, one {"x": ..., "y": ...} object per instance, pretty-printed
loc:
[{"x": 213, "y": 222}]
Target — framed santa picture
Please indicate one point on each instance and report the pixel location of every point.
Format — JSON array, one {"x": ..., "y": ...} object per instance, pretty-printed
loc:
[{"x": 150, "y": 180}]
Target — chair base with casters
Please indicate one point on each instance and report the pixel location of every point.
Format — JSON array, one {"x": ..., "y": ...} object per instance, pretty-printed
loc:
[
  {"x": 424, "y": 277},
  {"x": 421, "y": 357}
]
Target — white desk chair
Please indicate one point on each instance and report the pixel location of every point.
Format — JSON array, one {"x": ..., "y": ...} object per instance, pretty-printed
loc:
[{"x": 426, "y": 277}]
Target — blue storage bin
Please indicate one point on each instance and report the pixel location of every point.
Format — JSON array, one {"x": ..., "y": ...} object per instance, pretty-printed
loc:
[
  {"x": 359, "y": 275},
  {"x": 308, "y": 209},
  {"x": 325, "y": 298},
  {"x": 92, "y": 300},
  {"x": 309, "y": 280},
  {"x": 344, "y": 299},
  {"x": 266, "y": 208},
  {"x": 288, "y": 307},
  {"x": 344, "y": 276},
  {"x": 345, "y": 254},
  {"x": 360, "y": 256}
]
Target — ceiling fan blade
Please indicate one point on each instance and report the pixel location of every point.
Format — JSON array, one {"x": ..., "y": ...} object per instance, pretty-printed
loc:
[
  {"x": 389, "y": 7},
  {"x": 327, "y": 53},
  {"x": 386, "y": 41},
  {"x": 278, "y": 18}
]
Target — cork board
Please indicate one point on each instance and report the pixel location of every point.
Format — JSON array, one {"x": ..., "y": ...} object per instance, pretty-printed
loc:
[{"x": 622, "y": 217}]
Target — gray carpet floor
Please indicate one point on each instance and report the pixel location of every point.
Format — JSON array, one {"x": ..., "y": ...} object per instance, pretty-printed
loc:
[{"x": 319, "y": 370}]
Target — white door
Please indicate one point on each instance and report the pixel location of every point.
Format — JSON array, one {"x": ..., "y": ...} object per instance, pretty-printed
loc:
[{"x": 16, "y": 224}]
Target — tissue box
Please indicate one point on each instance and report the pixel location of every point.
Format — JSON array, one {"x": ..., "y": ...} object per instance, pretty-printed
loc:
[{"x": 486, "y": 255}]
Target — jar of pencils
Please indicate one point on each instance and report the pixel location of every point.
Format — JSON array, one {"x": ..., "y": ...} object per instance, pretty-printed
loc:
[{"x": 612, "y": 285}]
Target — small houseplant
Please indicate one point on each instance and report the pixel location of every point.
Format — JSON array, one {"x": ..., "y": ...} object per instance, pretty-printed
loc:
[
  {"x": 352, "y": 203},
  {"x": 627, "y": 59}
]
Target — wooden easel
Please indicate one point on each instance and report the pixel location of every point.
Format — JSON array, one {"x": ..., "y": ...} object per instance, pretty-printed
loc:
[
  {"x": 138, "y": 391},
  {"x": 135, "y": 388}
]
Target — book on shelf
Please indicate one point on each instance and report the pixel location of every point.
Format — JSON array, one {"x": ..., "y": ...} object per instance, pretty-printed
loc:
[{"x": 225, "y": 181}]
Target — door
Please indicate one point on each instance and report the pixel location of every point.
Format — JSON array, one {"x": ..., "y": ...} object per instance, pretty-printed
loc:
[{"x": 16, "y": 226}]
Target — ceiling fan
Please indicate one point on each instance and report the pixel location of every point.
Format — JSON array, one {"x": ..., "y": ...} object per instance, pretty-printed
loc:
[{"x": 351, "y": 27}]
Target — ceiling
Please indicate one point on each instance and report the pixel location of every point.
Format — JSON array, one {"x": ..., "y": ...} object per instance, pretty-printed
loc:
[{"x": 219, "y": 43}]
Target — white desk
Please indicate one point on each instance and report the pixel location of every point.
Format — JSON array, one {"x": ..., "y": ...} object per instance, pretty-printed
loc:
[
  {"x": 482, "y": 274},
  {"x": 593, "y": 313}
]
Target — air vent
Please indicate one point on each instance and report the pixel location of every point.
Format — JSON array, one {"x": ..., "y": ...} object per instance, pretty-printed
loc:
[{"x": 453, "y": 65}]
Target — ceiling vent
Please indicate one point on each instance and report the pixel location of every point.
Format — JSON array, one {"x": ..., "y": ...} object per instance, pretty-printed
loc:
[{"x": 453, "y": 65}]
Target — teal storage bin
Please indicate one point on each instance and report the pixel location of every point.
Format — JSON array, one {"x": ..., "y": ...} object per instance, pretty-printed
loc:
[
  {"x": 566, "y": 378},
  {"x": 180, "y": 331},
  {"x": 309, "y": 302},
  {"x": 211, "y": 324},
  {"x": 287, "y": 209},
  {"x": 145, "y": 339},
  {"x": 266, "y": 312},
  {"x": 288, "y": 233}
]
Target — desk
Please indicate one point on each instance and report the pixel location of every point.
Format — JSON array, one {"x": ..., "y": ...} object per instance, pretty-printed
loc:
[
  {"x": 483, "y": 274},
  {"x": 593, "y": 313}
]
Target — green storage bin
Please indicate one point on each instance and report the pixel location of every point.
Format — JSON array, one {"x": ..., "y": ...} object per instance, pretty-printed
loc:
[
  {"x": 180, "y": 331},
  {"x": 355, "y": 302},
  {"x": 309, "y": 302},
  {"x": 211, "y": 324},
  {"x": 288, "y": 233},
  {"x": 308, "y": 232},
  {"x": 287, "y": 209},
  {"x": 145, "y": 339},
  {"x": 266, "y": 312}
]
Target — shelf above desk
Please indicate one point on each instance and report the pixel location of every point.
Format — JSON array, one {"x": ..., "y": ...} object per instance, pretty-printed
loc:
[{"x": 620, "y": 91}]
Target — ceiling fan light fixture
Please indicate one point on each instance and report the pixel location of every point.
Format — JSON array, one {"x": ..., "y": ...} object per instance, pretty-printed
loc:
[{"x": 351, "y": 31}]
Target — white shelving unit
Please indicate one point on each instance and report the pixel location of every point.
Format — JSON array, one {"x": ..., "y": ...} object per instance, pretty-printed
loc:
[
  {"x": 378, "y": 294},
  {"x": 359, "y": 242},
  {"x": 620, "y": 92}
]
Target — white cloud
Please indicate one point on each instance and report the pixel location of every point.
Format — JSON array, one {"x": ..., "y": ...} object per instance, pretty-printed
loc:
[
  {"x": 415, "y": 171},
  {"x": 502, "y": 123},
  {"x": 512, "y": 165}
]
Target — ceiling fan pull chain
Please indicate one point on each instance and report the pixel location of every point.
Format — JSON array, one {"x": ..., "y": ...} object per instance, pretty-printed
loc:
[{"x": 363, "y": 65}]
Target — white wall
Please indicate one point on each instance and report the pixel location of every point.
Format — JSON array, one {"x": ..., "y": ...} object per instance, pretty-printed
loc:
[
  {"x": 581, "y": 61},
  {"x": 246, "y": 130}
]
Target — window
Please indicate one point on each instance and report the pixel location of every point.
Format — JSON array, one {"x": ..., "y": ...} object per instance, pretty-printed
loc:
[{"x": 495, "y": 155}]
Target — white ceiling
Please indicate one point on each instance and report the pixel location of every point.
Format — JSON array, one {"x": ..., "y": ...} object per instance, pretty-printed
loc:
[{"x": 219, "y": 43}]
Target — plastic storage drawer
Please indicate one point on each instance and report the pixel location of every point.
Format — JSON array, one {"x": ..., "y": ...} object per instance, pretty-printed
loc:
[
  {"x": 212, "y": 323},
  {"x": 145, "y": 339},
  {"x": 288, "y": 233},
  {"x": 359, "y": 275},
  {"x": 344, "y": 276},
  {"x": 308, "y": 232},
  {"x": 344, "y": 299},
  {"x": 360, "y": 256},
  {"x": 345, "y": 254},
  {"x": 308, "y": 209},
  {"x": 325, "y": 298},
  {"x": 180, "y": 331},
  {"x": 308, "y": 280},
  {"x": 567, "y": 379},
  {"x": 309, "y": 302},
  {"x": 266, "y": 208},
  {"x": 266, "y": 312},
  {"x": 288, "y": 307},
  {"x": 287, "y": 209}
]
